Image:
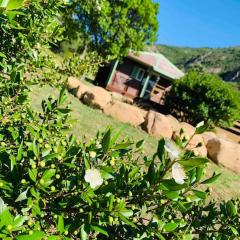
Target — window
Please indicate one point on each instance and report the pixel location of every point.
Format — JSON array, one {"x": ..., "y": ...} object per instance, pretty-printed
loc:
[{"x": 138, "y": 73}]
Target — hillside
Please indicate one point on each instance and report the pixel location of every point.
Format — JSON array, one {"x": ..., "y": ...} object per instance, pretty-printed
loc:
[{"x": 223, "y": 61}]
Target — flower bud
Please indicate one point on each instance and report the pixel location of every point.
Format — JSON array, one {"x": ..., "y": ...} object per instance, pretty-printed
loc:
[
  {"x": 47, "y": 145},
  {"x": 112, "y": 162},
  {"x": 42, "y": 164},
  {"x": 33, "y": 166},
  {"x": 9, "y": 227},
  {"x": 58, "y": 176},
  {"x": 42, "y": 181},
  {"x": 23, "y": 181}
]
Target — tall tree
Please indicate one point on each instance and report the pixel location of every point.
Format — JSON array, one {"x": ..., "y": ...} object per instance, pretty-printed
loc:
[{"x": 113, "y": 27}]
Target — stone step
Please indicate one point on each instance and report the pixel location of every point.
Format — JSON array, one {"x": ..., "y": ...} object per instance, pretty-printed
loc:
[
  {"x": 234, "y": 130},
  {"x": 237, "y": 125}
]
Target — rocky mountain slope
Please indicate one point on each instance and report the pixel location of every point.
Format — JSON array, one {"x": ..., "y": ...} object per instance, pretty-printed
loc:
[{"x": 222, "y": 61}]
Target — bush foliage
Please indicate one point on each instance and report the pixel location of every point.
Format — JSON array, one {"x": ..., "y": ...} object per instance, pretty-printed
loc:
[
  {"x": 55, "y": 186},
  {"x": 112, "y": 28},
  {"x": 204, "y": 97}
]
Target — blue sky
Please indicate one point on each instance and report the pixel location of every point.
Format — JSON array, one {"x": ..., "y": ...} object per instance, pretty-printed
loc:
[{"x": 199, "y": 23}]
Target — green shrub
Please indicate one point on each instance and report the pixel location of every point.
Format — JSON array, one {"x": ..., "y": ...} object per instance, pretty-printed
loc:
[
  {"x": 54, "y": 186},
  {"x": 204, "y": 97}
]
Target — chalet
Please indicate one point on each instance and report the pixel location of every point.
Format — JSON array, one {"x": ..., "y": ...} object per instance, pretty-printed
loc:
[{"x": 147, "y": 75}]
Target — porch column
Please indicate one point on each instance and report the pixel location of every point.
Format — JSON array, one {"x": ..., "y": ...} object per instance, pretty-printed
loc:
[
  {"x": 145, "y": 84},
  {"x": 112, "y": 71}
]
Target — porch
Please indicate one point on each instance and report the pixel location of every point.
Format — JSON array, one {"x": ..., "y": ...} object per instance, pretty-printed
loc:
[{"x": 138, "y": 81}]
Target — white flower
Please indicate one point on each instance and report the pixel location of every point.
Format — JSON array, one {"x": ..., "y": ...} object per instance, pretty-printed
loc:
[
  {"x": 200, "y": 124},
  {"x": 93, "y": 177},
  {"x": 178, "y": 173},
  {"x": 172, "y": 149},
  {"x": 92, "y": 154}
]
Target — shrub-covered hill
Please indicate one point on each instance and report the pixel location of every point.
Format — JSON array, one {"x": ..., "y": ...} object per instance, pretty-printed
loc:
[{"x": 222, "y": 61}]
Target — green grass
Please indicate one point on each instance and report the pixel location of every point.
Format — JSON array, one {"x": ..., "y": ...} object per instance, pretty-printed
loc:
[{"x": 89, "y": 121}]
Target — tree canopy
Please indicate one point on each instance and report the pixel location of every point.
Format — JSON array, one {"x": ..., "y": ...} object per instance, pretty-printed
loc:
[{"x": 113, "y": 27}]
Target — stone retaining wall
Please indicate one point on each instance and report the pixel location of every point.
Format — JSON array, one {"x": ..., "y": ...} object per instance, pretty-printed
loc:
[{"x": 221, "y": 151}]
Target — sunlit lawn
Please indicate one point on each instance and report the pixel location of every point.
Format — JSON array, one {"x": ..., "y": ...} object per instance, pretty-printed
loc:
[{"x": 89, "y": 121}]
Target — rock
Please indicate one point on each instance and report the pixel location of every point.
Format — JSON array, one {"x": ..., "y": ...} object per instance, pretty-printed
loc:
[
  {"x": 125, "y": 113},
  {"x": 195, "y": 141},
  {"x": 143, "y": 112},
  {"x": 82, "y": 89},
  {"x": 198, "y": 150},
  {"x": 224, "y": 152},
  {"x": 175, "y": 125},
  {"x": 97, "y": 97},
  {"x": 208, "y": 135},
  {"x": 157, "y": 125},
  {"x": 73, "y": 83},
  {"x": 188, "y": 129},
  {"x": 121, "y": 98}
]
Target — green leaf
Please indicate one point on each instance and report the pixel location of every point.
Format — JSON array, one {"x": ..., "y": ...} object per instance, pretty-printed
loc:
[
  {"x": 3, "y": 206},
  {"x": 212, "y": 179},
  {"x": 4, "y": 3},
  {"x": 193, "y": 162},
  {"x": 64, "y": 110},
  {"x": 171, "y": 185},
  {"x": 35, "y": 148},
  {"x": 151, "y": 173},
  {"x": 22, "y": 196},
  {"x": 54, "y": 238},
  {"x": 2, "y": 54},
  {"x": 50, "y": 156},
  {"x": 115, "y": 137},
  {"x": 140, "y": 143},
  {"x": 106, "y": 172},
  {"x": 122, "y": 146},
  {"x": 48, "y": 174},
  {"x": 173, "y": 195},
  {"x": 170, "y": 227},
  {"x": 62, "y": 96},
  {"x": 231, "y": 209},
  {"x": 125, "y": 220},
  {"x": 6, "y": 218},
  {"x": 199, "y": 173},
  {"x": 106, "y": 141},
  {"x": 234, "y": 230},
  {"x": 20, "y": 149},
  {"x": 19, "y": 220},
  {"x": 134, "y": 171},
  {"x": 126, "y": 213},
  {"x": 33, "y": 174},
  {"x": 60, "y": 225},
  {"x": 13, "y": 162},
  {"x": 184, "y": 206},
  {"x": 99, "y": 229},
  {"x": 84, "y": 232},
  {"x": 37, "y": 235},
  {"x": 14, "y": 4},
  {"x": 160, "y": 149},
  {"x": 201, "y": 128},
  {"x": 188, "y": 237},
  {"x": 200, "y": 194}
]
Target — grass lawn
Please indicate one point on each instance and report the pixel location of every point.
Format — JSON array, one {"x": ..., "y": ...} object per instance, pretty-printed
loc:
[{"x": 89, "y": 121}]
